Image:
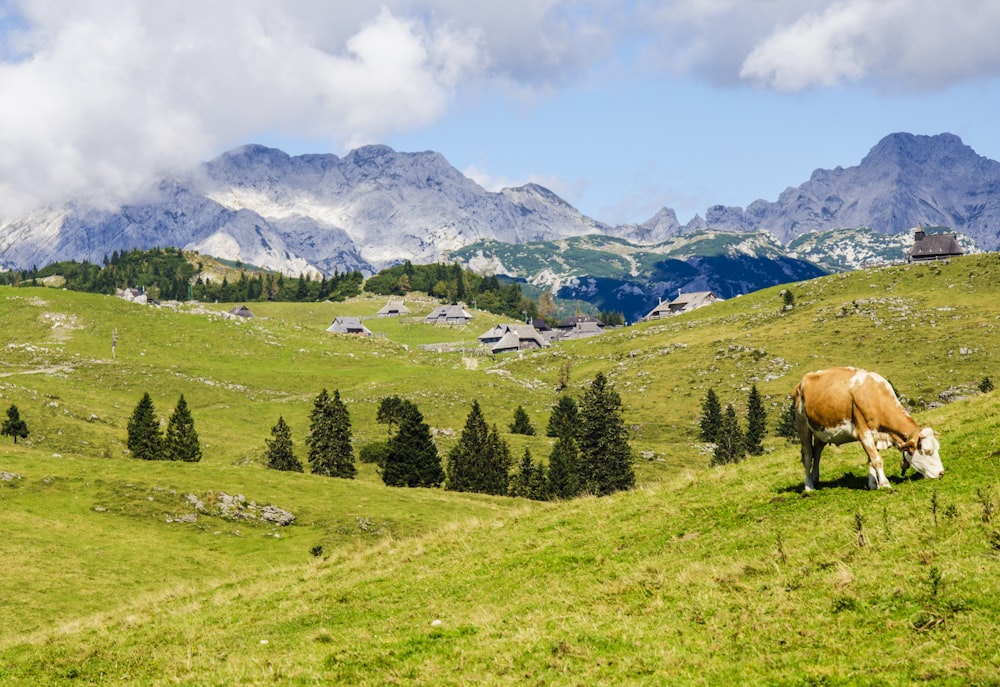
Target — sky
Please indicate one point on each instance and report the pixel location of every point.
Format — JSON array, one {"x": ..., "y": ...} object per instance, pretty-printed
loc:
[{"x": 622, "y": 107}]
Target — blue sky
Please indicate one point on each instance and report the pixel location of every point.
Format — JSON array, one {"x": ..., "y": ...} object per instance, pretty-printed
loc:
[{"x": 620, "y": 106}]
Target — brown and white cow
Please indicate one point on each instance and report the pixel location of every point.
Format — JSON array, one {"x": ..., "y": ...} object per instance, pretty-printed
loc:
[{"x": 845, "y": 404}]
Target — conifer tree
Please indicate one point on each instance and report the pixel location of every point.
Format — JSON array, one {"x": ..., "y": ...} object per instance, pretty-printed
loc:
[
  {"x": 729, "y": 446},
  {"x": 14, "y": 426},
  {"x": 756, "y": 422},
  {"x": 538, "y": 487},
  {"x": 144, "y": 438},
  {"x": 520, "y": 482},
  {"x": 181, "y": 440},
  {"x": 564, "y": 418},
  {"x": 390, "y": 411},
  {"x": 468, "y": 456},
  {"x": 412, "y": 459},
  {"x": 605, "y": 455},
  {"x": 329, "y": 440},
  {"x": 711, "y": 417},
  {"x": 280, "y": 454},
  {"x": 521, "y": 423},
  {"x": 786, "y": 424},
  {"x": 480, "y": 462},
  {"x": 496, "y": 474},
  {"x": 564, "y": 468}
]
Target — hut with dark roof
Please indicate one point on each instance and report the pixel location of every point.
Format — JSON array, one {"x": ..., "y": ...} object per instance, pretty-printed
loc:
[{"x": 934, "y": 246}]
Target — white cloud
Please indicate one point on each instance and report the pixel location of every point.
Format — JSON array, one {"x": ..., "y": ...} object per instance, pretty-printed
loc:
[
  {"x": 104, "y": 94},
  {"x": 899, "y": 44}
]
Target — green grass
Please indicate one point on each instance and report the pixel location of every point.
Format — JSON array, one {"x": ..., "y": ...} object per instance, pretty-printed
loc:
[{"x": 700, "y": 576}]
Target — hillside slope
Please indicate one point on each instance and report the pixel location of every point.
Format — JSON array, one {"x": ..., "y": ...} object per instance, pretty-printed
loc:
[{"x": 700, "y": 576}]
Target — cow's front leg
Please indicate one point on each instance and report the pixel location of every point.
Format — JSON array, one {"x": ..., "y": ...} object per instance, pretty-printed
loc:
[{"x": 876, "y": 473}]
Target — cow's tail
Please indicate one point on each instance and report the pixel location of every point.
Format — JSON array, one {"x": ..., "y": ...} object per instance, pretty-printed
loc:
[{"x": 798, "y": 398}]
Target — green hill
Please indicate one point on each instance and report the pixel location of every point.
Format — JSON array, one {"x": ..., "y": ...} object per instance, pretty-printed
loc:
[{"x": 700, "y": 576}]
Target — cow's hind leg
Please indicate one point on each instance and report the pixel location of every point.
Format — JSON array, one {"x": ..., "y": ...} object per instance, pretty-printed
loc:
[{"x": 811, "y": 450}]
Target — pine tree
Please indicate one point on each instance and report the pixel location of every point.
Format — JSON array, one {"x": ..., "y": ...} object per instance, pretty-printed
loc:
[
  {"x": 495, "y": 477},
  {"x": 412, "y": 459},
  {"x": 480, "y": 462},
  {"x": 730, "y": 446},
  {"x": 329, "y": 440},
  {"x": 605, "y": 454},
  {"x": 181, "y": 440},
  {"x": 538, "y": 487},
  {"x": 468, "y": 456},
  {"x": 564, "y": 468},
  {"x": 564, "y": 419},
  {"x": 756, "y": 422},
  {"x": 390, "y": 411},
  {"x": 711, "y": 417},
  {"x": 144, "y": 439},
  {"x": 14, "y": 426},
  {"x": 520, "y": 482},
  {"x": 280, "y": 454},
  {"x": 786, "y": 425},
  {"x": 521, "y": 423}
]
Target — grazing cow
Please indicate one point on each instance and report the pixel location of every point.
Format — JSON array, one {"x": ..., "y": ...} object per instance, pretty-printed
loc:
[{"x": 845, "y": 404}]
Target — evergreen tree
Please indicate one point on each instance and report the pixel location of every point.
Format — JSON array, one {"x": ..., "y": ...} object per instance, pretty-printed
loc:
[
  {"x": 786, "y": 425},
  {"x": 468, "y": 456},
  {"x": 756, "y": 422},
  {"x": 564, "y": 419},
  {"x": 412, "y": 459},
  {"x": 329, "y": 440},
  {"x": 538, "y": 487},
  {"x": 480, "y": 462},
  {"x": 711, "y": 417},
  {"x": 564, "y": 468},
  {"x": 605, "y": 454},
  {"x": 280, "y": 454},
  {"x": 496, "y": 474},
  {"x": 730, "y": 446},
  {"x": 14, "y": 426},
  {"x": 390, "y": 411},
  {"x": 520, "y": 482},
  {"x": 181, "y": 441},
  {"x": 144, "y": 439},
  {"x": 521, "y": 423}
]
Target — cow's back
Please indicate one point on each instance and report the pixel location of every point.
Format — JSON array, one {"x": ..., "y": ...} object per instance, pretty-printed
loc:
[{"x": 825, "y": 397}]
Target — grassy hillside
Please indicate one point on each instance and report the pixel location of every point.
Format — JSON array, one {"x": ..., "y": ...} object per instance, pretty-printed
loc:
[{"x": 699, "y": 576}]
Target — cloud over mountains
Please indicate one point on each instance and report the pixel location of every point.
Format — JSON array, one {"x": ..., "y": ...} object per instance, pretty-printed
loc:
[{"x": 102, "y": 96}]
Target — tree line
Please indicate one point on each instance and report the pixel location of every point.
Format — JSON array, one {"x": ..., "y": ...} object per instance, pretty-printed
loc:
[{"x": 168, "y": 274}]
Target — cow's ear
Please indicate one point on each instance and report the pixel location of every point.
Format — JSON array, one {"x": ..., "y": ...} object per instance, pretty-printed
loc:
[{"x": 910, "y": 446}]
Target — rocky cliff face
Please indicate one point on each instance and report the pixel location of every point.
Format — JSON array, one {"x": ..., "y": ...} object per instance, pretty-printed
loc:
[
  {"x": 369, "y": 209},
  {"x": 375, "y": 207},
  {"x": 905, "y": 180}
]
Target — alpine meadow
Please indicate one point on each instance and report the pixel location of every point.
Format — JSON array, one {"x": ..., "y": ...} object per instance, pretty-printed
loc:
[{"x": 120, "y": 571}]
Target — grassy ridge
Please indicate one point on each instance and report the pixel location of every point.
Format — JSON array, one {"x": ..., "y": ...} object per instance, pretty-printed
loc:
[{"x": 700, "y": 576}]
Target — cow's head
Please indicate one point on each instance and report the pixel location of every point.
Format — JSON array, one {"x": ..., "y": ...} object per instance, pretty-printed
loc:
[{"x": 921, "y": 453}]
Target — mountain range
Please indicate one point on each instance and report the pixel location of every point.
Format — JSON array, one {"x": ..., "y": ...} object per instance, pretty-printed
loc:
[{"x": 375, "y": 207}]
